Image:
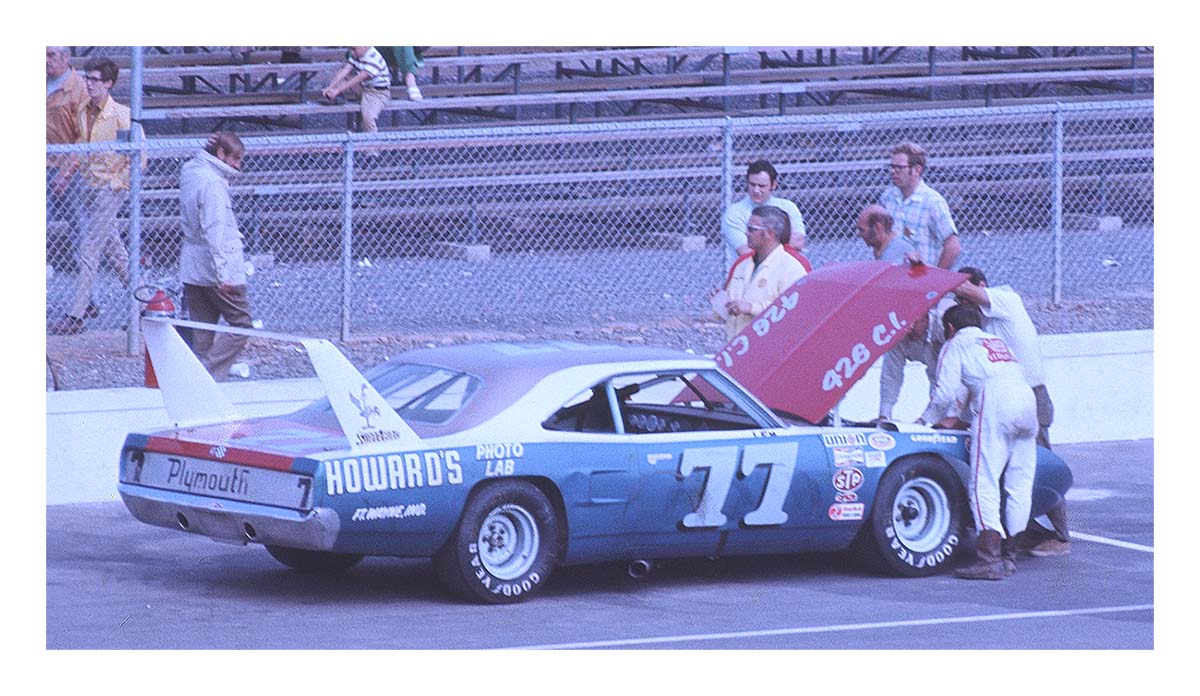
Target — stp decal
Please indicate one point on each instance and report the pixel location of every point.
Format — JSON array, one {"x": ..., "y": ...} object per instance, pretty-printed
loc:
[{"x": 849, "y": 479}]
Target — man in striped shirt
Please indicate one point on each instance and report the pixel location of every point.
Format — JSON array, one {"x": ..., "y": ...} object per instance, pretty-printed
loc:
[
  {"x": 920, "y": 214},
  {"x": 365, "y": 74}
]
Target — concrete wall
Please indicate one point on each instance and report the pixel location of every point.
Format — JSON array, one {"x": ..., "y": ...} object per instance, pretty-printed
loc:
[{"x": 1102, "y": 385}]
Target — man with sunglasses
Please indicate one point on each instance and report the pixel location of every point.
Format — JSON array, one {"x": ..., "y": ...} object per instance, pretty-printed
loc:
[
  {"x": 920, "y": 214},
  {"x": 760, "y": 275}
]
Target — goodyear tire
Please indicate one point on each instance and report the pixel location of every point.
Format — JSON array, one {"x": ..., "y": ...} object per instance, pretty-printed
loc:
[
  {"x": 916, "y": 523},
  {"x": 505, "y": 545},
  {"x": 309, "y": 561}
]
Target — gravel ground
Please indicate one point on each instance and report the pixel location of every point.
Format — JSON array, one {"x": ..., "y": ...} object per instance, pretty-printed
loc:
[{"x": 97, "y": 359}]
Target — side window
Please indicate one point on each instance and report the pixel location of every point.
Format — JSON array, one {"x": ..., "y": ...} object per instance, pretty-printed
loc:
[
  {"x": 586, "y": 412},
  {"x": 659, "y": 402},
  {"x": 678, "y": 402}
]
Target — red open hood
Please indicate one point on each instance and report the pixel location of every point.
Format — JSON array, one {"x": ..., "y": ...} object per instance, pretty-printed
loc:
[{"x": 819, "y": 337}]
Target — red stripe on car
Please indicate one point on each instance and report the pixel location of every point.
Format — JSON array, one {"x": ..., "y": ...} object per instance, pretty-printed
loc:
[{"x": 208, "y": 450}]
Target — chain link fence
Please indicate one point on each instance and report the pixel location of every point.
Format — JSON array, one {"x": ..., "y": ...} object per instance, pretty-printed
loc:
[{"x": 517, "y": 228}]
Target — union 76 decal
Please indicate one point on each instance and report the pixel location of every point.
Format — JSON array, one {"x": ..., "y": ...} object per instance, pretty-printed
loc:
[{"x": 723, "y": 469}]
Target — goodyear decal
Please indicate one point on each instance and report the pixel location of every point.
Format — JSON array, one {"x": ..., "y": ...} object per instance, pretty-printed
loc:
[
  {"x": 844, "y": 440},
  {"x": 390, "y": 472},
  {"x": 935, "y": 438}
]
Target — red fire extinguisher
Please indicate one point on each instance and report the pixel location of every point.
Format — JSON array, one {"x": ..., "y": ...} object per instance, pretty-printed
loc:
[{"x": 160, "y": 305}]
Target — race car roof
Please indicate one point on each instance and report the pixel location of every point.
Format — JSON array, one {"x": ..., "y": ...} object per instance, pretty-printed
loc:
[{"x": 509, "y": 370}]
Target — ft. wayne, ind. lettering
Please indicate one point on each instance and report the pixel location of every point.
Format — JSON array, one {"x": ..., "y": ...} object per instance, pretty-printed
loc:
[{"x": 392, "y": 472}]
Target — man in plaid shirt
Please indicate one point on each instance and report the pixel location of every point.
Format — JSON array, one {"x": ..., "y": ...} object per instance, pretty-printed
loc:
[{"x": 919, "y": 213}]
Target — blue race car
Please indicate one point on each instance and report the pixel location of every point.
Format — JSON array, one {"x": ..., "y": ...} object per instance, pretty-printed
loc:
[{"x": 505, "y": 461}]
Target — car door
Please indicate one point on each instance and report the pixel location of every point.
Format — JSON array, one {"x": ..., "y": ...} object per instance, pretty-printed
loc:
[{"x": 718, "y": 475}]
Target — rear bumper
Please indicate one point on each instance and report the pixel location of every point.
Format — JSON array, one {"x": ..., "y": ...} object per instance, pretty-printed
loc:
[{"x": 231, "y": 521}]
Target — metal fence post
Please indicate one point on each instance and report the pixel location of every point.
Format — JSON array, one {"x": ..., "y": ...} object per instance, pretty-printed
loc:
[
  {"x": 1056, "y": 203},
  {"x": 347, "y": 232},
  {"x": 727, "y": 161},
  {"x": 135, "y": 199},
  {"x": 726, "y": 196}
]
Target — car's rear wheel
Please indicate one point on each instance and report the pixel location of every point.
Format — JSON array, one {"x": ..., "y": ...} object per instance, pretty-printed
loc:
[
  {"x": 310, "y": 561},
  {"x": 917, "y": 520},
  {"x": 505, "y": 545}
]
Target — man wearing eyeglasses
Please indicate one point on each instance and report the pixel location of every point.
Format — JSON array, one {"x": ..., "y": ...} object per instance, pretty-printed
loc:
[
  {"x": 920, "y": 214},
  {"x": 106, "y": 186}
]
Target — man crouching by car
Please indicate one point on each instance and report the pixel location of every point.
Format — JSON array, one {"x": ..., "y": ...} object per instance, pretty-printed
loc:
[{"x": 979, "y": 379}]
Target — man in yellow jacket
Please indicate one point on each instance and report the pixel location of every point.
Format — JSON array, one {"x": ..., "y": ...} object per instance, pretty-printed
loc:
[
  {"x": 760, "y": 276},
  {"x": 106, "y": 186}
]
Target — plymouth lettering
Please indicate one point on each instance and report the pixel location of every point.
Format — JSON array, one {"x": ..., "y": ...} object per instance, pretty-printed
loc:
[{"x": 180, "y": 474}]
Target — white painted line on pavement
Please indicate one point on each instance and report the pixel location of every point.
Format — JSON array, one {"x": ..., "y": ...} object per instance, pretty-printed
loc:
[
  {"x": 629, "y": 642},
  {"x": 1111, "y": 542}
]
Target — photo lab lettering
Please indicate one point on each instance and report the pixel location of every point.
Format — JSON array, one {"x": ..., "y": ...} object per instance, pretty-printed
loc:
[{"x": 500, "y": 459}]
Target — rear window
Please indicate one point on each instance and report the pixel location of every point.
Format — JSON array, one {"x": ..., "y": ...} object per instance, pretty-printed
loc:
[{"x": 419, "y": 393}]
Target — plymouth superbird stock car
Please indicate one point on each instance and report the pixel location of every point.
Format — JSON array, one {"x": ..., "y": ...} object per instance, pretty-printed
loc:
[{"x": 503, "y": 461}]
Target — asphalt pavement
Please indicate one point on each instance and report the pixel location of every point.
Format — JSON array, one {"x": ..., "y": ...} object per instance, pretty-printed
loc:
[{"x": 114, "y": 583}]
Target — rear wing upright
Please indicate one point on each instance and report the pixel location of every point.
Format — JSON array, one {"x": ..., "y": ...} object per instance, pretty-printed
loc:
[{"x": 192, "y": 397}]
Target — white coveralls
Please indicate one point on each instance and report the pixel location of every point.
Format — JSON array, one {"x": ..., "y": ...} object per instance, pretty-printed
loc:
[{"x": 979, "y": 378}]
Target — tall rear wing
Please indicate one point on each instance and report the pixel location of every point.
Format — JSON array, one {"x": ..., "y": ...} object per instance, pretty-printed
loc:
[{"x": 192, "y": 397}]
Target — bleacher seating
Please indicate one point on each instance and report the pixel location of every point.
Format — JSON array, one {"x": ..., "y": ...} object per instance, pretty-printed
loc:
[{"x": 274, "y": 90}]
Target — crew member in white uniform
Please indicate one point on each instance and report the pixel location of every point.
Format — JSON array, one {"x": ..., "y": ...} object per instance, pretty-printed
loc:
[
  {"x": 1004, "y": 314},
  {"x": 980, "y": 381}
]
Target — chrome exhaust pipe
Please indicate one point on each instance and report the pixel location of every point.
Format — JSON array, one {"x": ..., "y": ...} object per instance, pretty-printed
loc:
[{"x": 640, "y": 568}]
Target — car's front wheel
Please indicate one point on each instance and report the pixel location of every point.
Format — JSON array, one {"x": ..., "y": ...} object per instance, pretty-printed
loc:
[
  {"x": 916, "y": 523},
  {"x": 309, "y": 561},
  {"x": 505, "y": 546}
]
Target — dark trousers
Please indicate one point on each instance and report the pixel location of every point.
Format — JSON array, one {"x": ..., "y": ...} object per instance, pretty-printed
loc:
[
  {"x": 208, "y": 305},
  {"x": 1058, "y": 515}
]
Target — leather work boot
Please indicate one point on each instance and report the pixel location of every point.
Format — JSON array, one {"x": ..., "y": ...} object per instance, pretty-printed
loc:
[
  {"x": 989, "y": 566},
  {"x": 1008, "y": 554}
]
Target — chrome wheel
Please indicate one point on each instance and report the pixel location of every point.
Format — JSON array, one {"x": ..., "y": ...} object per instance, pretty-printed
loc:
[
  {"x": 508, "y": 541},
  {"x": 921, "y": 514}
]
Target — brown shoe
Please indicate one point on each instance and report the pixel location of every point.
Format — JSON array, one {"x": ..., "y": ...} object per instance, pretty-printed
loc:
[
  {"x": 1051, "y": 548},
  {"x": 989, "y": 566},
  {"x": 1008, "y": 554},
  {"x": 67, "y": 326}
]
